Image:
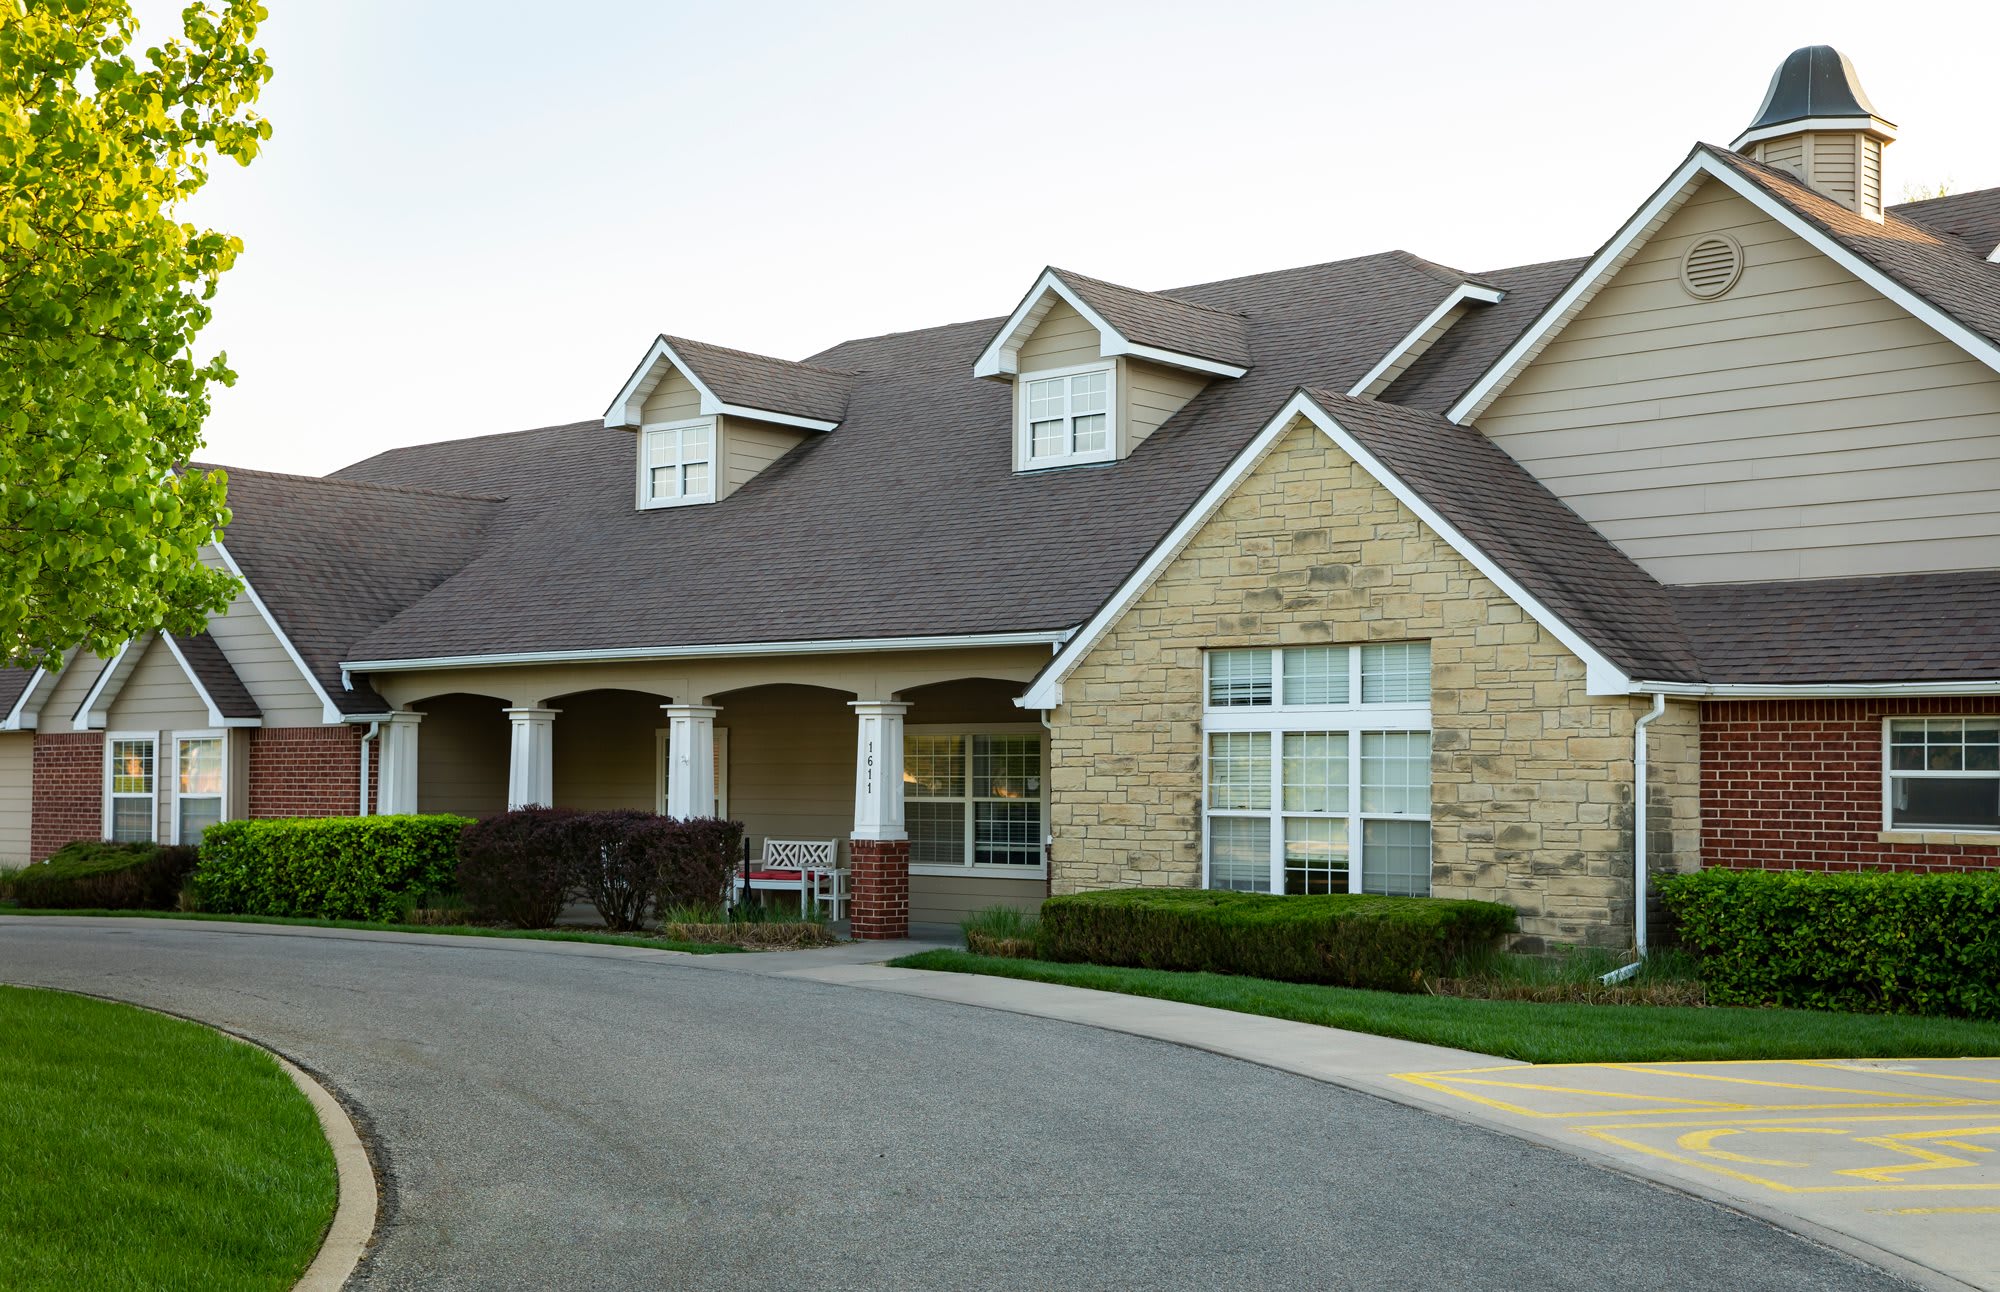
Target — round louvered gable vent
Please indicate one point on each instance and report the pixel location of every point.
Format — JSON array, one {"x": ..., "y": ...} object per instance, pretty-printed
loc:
[{"x": 1712, "y": 265}]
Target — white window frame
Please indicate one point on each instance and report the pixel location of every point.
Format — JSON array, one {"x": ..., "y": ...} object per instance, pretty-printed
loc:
[
  {"x": 174, "y": 741},
  {"x": 111, "y": 738},
  {"x": 1024, "y": 431},
  {"x": 1889, "y": 774},
  {"x": 1277, "y": 719},
  {"x": 967, "y": 732},
  {"x": 662, "y": 737},
  {"x": 713, "y": 425}
]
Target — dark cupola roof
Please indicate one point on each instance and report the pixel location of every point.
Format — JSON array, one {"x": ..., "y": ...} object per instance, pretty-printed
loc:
[{"x": 1814, "y": 88}]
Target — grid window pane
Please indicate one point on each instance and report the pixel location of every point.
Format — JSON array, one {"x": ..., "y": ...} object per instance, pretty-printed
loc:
[
  {"x": 1316, "y": 675},
  {"x": 1239, "y": 853},
  {"x": 1239, "y": 677},
  {"x": 937, "y": 833},
  {"x": 132, "y": 767},
  {"x": 1092, "y": 433},
  {"x": 201, "y": 766},
  {"x": 934, "y": 767},
  {"x": 696, "y": 480},
  {"x": 1045, "y": 399},
  {"x": 1315, "y": 855},
  {"x": 1315, "y": 771},
  {"x": 131, "y": 820},
  {"x": 1396, "y": 772},
  {"x": 1088, "y": 392},
  {"x": 1239, "y": 771},
  {"x": 196, "y": 816},
  {"x": 665, "y": 480},
  {"x": 1007, "y": 834},
  {"x": 1048, "y": 439},
  {"x": 1396, "y": 673},
  {"x": 1396, "y": 858},
  {"x": 659, "y": 448},
  {"x": 694, "y": 443},
  {"x": 1007, "y": 767}
]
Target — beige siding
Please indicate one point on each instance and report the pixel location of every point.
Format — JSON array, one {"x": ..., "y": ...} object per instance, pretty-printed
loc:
[
  {"x": 260, "y": 659},
  {"x": 1061, "y": 339},
  {"x": 1871, "y": 176},
  {"x": 948, "y": 899},
  {"x": 462, "y": 749},
  {"x": 1799, "y": 426},
  {"x": 17, "y": 762},
  {"x": 1785, "y": 154},
  {"x": 674, "y": 400},
  {"x": 607, "y": 751},
  {"x": 1150, "y": 395},
  {"x": 748, "y": 447},
  {"x": 157, "y": 696},
  {"x": 791, "y": 763},
  {"x": 1835, "y": 166},
  {"x": 59, "y": 707}
]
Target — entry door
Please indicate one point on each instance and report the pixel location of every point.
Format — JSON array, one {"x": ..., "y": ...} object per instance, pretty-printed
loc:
[{"x": 721, "y": 772}]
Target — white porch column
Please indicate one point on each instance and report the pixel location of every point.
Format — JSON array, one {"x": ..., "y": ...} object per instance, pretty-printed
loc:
[
  {"x": 690, "y": 759},
  {"x": 396, "y": 782},
  {"x": 878, "y": 769},
  {"x": 531, "y": 758}
]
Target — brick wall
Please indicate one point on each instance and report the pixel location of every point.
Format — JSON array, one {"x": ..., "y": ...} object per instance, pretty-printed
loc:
[
  {"x": 1531, "y": 777},
  {"x": 68, "y": 790},
  {"x": 1797, "y": 785},
  {"x": 308, "y": 771}
]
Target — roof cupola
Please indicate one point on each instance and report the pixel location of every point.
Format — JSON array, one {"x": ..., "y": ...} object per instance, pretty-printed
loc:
[{"x": 1817, "y": 123}]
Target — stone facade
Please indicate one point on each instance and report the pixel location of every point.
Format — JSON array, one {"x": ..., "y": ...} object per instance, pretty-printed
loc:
[
  {"x": 1531, "y": 777},
  {"x": 1797, "y": 785},
  {"x": 68, "y": 790}
]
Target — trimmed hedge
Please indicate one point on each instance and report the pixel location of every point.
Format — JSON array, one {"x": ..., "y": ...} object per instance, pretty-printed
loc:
[
  {"x": 337, "y": 868},
  {"x": 514, "y": 866},
  {"x": 1340, "y": 939},
  {"x": 90, "y": 874},
  {"x": 522, "y": 866},
  {"x": 1875, "y": 942}
]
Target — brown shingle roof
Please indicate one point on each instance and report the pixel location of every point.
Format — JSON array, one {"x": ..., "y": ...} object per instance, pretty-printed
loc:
[
  {"x": 1887, "y": 628},
  {"x": 1973, "y": 218},
  {"x": 1165, "y": 320},
  {"x": 13, "y": 681},
  {"x": 1447, "y": 370},
  {"x": 762, "y": 382},
  {"x": 217, "y": 677}
]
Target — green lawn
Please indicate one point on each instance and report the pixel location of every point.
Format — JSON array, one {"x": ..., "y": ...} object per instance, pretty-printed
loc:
[
  {"x": 462, "y": 930},
  {"x": 1535, "y": 1033},
  {"x": 140, "y": 1151}
]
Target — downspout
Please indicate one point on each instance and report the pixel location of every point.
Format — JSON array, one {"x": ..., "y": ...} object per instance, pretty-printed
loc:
[
  {"x": 1639, "y": 840},
  {"x": 374, "y": 729}
]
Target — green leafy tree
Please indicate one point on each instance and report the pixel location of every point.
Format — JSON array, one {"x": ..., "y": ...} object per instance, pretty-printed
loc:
[{"x": 102, "y": 292}]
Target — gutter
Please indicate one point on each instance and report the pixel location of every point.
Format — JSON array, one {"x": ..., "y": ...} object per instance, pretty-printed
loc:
[
  {"x": 1639, "y": 794},
  {"x": 1811, "y": 690},
  {"x": 643, "y": 654}
]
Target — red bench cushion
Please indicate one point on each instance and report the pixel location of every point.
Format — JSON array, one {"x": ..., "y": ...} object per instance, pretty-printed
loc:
[{"x": 782, "y": 876}]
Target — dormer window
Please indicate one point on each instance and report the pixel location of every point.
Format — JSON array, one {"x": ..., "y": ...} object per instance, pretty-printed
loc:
[
  {"x": 1065, "y": 417},
  {"x": 677, "y": 463}
]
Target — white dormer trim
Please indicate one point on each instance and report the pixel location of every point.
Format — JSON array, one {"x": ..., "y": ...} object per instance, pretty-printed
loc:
[
  {"x": 27, "y": 709},
  {"x": 1667, "y": 199},
  {"x": 1871, "y": 126},
  {"x": 626, "y": 410},
  {"x": 1411, "y": 348},
  {"x": 1002, "y": 358},
  {"x": 215, "y": 718}
]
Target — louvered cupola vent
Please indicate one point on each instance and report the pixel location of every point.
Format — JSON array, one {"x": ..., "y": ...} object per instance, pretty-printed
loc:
[{"x": 1711, "y": 266}]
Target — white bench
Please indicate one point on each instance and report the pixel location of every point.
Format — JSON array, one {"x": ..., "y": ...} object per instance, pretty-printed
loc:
[{"x": 809, "y": 867}]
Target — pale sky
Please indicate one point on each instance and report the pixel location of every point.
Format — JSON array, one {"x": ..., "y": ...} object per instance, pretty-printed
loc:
[{"x": 474, "y": 217}]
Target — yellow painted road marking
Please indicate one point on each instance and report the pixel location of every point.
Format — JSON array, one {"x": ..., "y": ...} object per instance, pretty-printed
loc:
[
  {"x": 1936, "y": 1211},
  {"x": 1906, "y": 1072},
  {"x": 1647, "y": 1070},
  {"x": 1703, "y": 1142}
]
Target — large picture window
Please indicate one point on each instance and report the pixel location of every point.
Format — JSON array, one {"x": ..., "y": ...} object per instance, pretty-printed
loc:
[
  {"x": 1065, "y": 417},
  {"x": 677, "y": 463},
  {"x": 975, "y": 800},
  {"x": 1944, "y": 774},
  {"x": 131, "y": 810},
  {"x": 1318, "y": 772}
]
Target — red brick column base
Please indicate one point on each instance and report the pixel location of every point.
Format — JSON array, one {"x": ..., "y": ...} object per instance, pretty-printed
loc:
[
  {"x": 68, "y": 791},
  {"x": 881, "y": 898}
]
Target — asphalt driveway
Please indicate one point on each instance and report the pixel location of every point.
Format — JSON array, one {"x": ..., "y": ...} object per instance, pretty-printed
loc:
[{"x": 581, "y": 1117}]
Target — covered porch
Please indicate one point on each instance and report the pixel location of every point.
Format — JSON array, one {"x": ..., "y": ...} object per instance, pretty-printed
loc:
[{"x": 930, "y": 782}]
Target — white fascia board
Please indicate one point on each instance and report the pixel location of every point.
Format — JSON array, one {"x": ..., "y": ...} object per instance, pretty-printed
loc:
[
  {"x": 1698, "y": 167},
  {"x": 329, "y": 711},
  {"x": 1175, "y": 359},
  {"x": 1876, "y": 126},
  {"x": 1002, "y": 356},
  {"x": 1994, "y": 256},
  {"x": 215, "y": 718},
  {"x": 1365, "y": 388},
  {"x": 642, "y": 654},
  {"x": 1602, "y": 676},
  {"x": 89, "y": 717},
  {"x": 1813, "y": 690},
  {"x": 26, "y": 711},
  {"x": 626, "y": 412}
]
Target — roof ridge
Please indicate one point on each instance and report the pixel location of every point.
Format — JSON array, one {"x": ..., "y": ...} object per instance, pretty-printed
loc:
[
  {"x": 753, "y": 354},
  {"x": 364, "y": 484},
  {"x": 1943, "y": 197},
  {"x": 1287, "y": 269},
  {"x": 1442, "y": 272},
  {"x": 596, "y": 423}
]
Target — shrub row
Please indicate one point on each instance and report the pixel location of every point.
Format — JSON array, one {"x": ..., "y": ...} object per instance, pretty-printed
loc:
[
  {"x": 338, "y": 868},
  {"x": 523, "y": 866},
  {"x": 1876, "y": 942},
  {"x": 113, "y": 876},
  {"x": 1345, "y": 939}
]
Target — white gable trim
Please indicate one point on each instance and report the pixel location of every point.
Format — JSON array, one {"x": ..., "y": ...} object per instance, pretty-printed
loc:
[
  {"x": 27, "y": 709},
  {"x": 329, "y": 711},
  {"x": 1699, "y": 166},
  {"x": 1408, "y": 350},
  {"x": 1873, "y": 126},
  {"x": 1603, "y": 677},
  {"x": 1003, "y": 356},
  {"x": 90, "y": 715},
  {"x": 625, "y": 410},
  {"x": 215, "y": 718}
]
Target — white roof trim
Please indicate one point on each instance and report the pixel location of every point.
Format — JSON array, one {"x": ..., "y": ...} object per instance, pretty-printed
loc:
[
  {"x": 1003, "y": 356},
  {"x": 1411, "y": 348},
  {"x": 26, "y": 713},
  {"x": 1603, "y": 677},
  {"x": 1875, "y": 126},
  {"x": 638, "y": 653},
  {"x": 1664, "y": 202},
  {"x": 215, "y": 718},
  {"x": 1813, "y": 690},
  {"x": 329, "y": 711},
  {"x": 111, "y": 678},
  {"x": 625, "y": 410}
]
